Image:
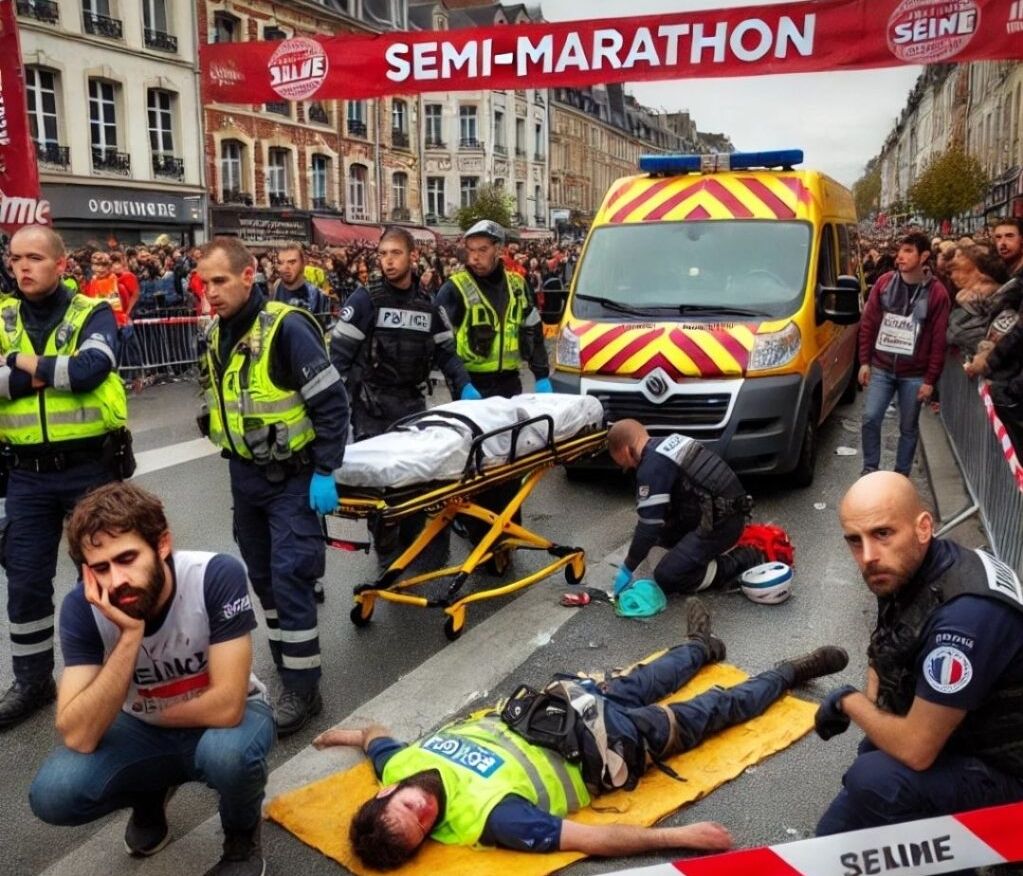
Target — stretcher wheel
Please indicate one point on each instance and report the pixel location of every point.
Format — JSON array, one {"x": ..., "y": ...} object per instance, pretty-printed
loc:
[
  {"x": 453, "y": 630},
  {"x": 570, "y": 571},
  {"x": 360, "y": 615}
]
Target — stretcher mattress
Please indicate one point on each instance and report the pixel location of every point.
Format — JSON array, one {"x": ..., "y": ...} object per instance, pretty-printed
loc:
[{"x": 437, "y": 447}]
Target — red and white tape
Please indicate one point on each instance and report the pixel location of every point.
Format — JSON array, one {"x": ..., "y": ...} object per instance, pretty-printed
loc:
[
  {"x": 1002, "y": 434},
  {"x": 980, "y": 838}
]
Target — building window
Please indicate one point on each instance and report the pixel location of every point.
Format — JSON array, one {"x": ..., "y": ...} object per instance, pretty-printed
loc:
[
  {"x": 103, "y": 128},
  {"x": 469, "y": 187},
  {"x": 435, "y": 198},
  {"x": 399, "y": 116},
  {"x": 157, "y": 33},
  {"x": 499, "y": 144},
  {"x": 541, "y": 218},
  {"x": 399, "y": 197},
  {"x": 161, "y": 134},
  {"x": 434, "y": 124},
  {"x": 40, "y": 10},
  {"x": 317, "y": 112},
  {"x": 357, "y": 118},
  {"x": 468, "y": 131},
  {"x": 520, "y": 138},
  {"x": 520, "y": 203},
  {"x": 41, "y": 90},
  {"x": 538, "y": 144},
  {"x": 277, "y": 177},
  {"x": 320, "y": 182},
  {"x": 357, "y": 176},
  {"x": 98, "y": 21},
  {"x": 232, "y": 163},
  {"x": 226, "y": 28}
]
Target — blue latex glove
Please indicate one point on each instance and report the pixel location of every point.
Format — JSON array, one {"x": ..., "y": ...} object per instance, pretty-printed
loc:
[
  {"x": 622, "y": 580},
  {"x": 470, "y": 393},
  {"x": 830, "y": 720},
  {"x": 544, "y": 385},
  {"x": 322, "y": 493}
]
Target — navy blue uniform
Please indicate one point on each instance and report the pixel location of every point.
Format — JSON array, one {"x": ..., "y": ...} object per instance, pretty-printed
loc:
[
  {"x": 278, "y": 533},
  {"x": 689, "y": 501},
  {"x": 39, "y": 501},
  {"x": 308, "y": 297}
]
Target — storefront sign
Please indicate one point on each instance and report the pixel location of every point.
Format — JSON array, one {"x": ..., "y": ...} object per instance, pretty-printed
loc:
[
  {"x": 260, "y": 226},
  {"x": 124, "y": 206},
  {"x": 798, "y": 37}
]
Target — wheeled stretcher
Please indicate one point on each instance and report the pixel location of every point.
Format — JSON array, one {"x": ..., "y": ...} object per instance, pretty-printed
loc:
[{"x": 521, "y": 451}]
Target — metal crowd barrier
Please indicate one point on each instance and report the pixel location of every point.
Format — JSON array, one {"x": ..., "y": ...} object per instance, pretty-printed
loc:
[
  {"x": 992, "y": 485},
  {"x": 161, "y": 348}
]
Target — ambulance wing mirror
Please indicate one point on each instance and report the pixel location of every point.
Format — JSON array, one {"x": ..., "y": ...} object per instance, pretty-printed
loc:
[
  {"x": 840, "y": 304},
  {"x": 554, "y": 298}
]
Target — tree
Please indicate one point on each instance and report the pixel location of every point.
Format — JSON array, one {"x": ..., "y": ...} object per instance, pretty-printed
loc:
[
  {"x": 491, "y": 203},
  {"x": 951, "y": 183},
  {"x": 867, "y": 190}
]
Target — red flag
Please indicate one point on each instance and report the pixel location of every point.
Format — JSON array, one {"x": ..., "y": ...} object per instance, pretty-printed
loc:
[{"x": 20, "y": 199}]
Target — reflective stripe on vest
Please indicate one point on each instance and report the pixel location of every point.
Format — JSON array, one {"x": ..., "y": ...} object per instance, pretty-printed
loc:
[
  {"x": 481, "y": 762},
  {"x": 251, "y": 416},
  {"x": 51, "y": 414},
  {"x": 503, "y": 354}
]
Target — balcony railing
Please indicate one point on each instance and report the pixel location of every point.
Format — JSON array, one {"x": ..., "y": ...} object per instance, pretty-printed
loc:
[
  {"x": 500, "y": 149},
  {"x": 520, "y": 153},
  {"x": 470, "y": 143},
  {"x": 317, "y": 113},
  {"x": 40, "y": 10},
  {"x": 103, "y": 25},
  {"x": 281, "y": 199},
  {"x": 168, "y": 166},
  {"x": 401, "y": 214},
  {"x": 324, "y": 204},
  {"x": 157, "y": 39},
  {"x": 356, "y": 128},
  {"x": 111, "y": 161},
  {"x": 540, "y": 221},
  {"x": 53, "y": 154},
  {"x": 357, "y": 213},
  {"x": 435, "y": 143},
  {"x": 435, "y": 218},
  {"x": 278, "y": 107},
  {"x": 399, "y": 138},
  {"x": 235, "y": 196},
  {"x": 539, "y": 156}
]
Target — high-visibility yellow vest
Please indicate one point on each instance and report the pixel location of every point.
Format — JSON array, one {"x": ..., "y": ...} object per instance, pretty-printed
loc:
[
  {"x": 54, "y": 413},
  {"x": 485, "y": 342},
  {"x": 317, "y": 276},
  {"x": 250, "y": 415},
  {"x": 481, "y": 762}
]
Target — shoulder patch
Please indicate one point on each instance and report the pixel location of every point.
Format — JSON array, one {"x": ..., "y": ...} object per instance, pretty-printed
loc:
[
  {"x": 347, "y": 312},
  {"x": 643, "y": 491},
  {"x": 947, "y": 669}
]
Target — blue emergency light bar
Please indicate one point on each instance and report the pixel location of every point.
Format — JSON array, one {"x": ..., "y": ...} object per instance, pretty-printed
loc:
[{"x": 715, "y": 162}]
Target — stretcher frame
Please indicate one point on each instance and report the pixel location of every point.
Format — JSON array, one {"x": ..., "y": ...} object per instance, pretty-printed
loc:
[{"x": 444, "y": 503}]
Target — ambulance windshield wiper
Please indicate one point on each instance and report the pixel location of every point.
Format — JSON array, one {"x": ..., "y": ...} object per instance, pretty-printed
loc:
[
  {"x": 611, "y": 304},
  {"x": 718, "y": 308}
]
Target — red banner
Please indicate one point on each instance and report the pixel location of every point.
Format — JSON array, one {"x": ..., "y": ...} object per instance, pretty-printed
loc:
[
  {"x": 797, "y": 37},
  {"x": 20, "y": 201}
]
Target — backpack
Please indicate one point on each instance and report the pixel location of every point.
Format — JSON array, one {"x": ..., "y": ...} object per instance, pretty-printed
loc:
[{"x": 772, "y": 540}]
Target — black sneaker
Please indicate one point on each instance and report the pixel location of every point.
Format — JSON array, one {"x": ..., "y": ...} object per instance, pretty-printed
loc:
[
  {"x": 243, "y": 855},
  {"x": 147, "y": 831},
  {"x": 824, "y": 661},
  {"x": 698, "y": 629},
  {"x": 295, "y": 708},
  {"x": 24, "y": 699}
]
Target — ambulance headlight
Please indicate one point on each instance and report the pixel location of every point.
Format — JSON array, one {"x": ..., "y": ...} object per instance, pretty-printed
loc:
[
  {"x": 568, "y": 349},
  {"x": 774, "y": 349}
]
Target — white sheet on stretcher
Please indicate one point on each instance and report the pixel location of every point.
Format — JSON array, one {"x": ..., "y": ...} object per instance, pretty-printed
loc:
[{"x": 440, "y": 452}]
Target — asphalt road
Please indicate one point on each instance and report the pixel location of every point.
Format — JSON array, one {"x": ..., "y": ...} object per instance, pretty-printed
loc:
[{"x": 404, "y": 669}]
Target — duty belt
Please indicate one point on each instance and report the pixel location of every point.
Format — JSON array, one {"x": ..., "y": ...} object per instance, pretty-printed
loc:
[{"x": 43, "y": 462}]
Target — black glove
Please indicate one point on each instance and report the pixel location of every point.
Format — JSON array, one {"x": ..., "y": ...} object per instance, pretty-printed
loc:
[{"x": 830, "y": 720}]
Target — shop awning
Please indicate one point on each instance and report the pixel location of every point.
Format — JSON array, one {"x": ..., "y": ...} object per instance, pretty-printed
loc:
[
  {"x": 536, "y": 234},
  {"x": 335, "y": 232},
  {"x": 421, "y": 234}
]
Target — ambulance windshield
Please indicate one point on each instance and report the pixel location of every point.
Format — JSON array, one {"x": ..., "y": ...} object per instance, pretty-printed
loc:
[{"x": 694, "y": 266}]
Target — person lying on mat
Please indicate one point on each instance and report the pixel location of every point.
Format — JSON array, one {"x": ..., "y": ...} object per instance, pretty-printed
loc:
[{"x": 510, "y": 779}]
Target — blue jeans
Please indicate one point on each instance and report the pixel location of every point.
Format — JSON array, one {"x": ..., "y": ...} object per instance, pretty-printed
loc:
[
  {"x": 877, "y": 789},
  {"x": 629, "y": 711},
  {"x": 883, "y": 386},
  {"x": 136, "y": 761}
]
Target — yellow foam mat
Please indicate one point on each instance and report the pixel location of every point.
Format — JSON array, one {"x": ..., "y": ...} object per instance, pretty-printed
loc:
[{"x": 319, "y": 813}]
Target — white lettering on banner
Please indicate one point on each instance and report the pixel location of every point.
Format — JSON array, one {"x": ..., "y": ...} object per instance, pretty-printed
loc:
[
  {"x": 748, "y": 41},
  {"x": 392, "y": 317},
  {"x": 23, "y": 211},
  {"x": 896, "y": 335},
  {"x": 925, "y": 29},
  {"x": 154, "y": 209}
]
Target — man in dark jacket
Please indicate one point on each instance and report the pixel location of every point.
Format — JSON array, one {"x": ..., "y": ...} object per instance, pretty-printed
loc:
[{"x": 902, "y": 348}]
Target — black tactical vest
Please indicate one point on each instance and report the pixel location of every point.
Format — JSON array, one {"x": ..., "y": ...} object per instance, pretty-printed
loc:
[
  {"x": 705, "y": 482},
  {"x": 400, "y": 351},
  {"x": 993, "y": 732}
]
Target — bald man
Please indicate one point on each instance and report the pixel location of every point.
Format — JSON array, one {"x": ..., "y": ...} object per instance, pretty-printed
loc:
[
  {"x": 942, "y": 711},
  {"x": 689, "y": 501},
  {"x": 63, "y": 416}
]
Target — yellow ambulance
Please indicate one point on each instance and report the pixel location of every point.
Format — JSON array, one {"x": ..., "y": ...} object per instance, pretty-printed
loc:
[{"x": 719, "y": 296}]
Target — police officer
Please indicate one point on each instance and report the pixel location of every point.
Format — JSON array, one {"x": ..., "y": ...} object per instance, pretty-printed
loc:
[
  {"x": 497, "y": 325},
  {"x": 942, "y": 710},
  {"x": 689, "y": 501},
  {"x": 62, "y": 423},
  {"x": 293, "y": 288},
  {"x": 387, "y": 340},
  {"x": 278, "y": 409}
]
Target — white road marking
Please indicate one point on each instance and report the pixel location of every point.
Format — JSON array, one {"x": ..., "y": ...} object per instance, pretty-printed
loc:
[{"x": 159, "y": 458}]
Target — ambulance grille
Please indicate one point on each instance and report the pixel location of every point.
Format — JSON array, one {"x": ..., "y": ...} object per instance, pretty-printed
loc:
[{"x": 707, "y": 409}]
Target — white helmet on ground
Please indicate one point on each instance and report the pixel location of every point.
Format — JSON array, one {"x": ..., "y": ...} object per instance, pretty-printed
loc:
[{"x": 768, "y": 583}]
